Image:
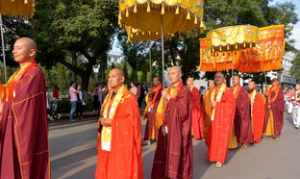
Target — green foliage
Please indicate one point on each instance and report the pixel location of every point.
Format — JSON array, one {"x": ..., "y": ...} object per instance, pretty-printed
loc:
[{"x": 296, "y": 66}]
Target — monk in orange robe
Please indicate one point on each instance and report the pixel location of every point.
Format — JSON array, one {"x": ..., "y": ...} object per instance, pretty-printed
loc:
[
  {"x": 197, "y": 110},
  {"x": 242, "y": 119},
  {"x": 208, "y": 108},
  {"x": 173, "y": 155},
  {"x": 275, "y": 110},
  {"x": 153, "y": 99},
  {"x": 258, "y": 110},
  {"x": 24, "y": 150},
  {"x": 119, "y": 136},
  {"x": 222, "y": 115}
]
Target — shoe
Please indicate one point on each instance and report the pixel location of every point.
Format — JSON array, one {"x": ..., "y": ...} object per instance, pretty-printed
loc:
[{"x": 219, "y": 165}]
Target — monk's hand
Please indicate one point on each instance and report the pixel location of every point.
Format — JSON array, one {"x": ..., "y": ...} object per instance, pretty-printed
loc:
[
  {"x": 105, "y": 122},
  {"x": 165, "y": 95},
  {"x": 214, "y": 104},
  {"x": 164, "y": 130}
]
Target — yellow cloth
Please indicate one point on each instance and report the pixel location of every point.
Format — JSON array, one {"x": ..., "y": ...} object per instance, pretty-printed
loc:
[
  {"x": 266, "y": 55},
  {"x": 150, "y": 15},
  {"x": 109, "y": 110},
  {"x": 23, "y": 8},
  {"x": 233, "y": 142},
  {"x": 270, "y": 126}
]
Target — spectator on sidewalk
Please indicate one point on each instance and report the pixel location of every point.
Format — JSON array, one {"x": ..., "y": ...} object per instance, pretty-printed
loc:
[{"x": 73, "y": 100}]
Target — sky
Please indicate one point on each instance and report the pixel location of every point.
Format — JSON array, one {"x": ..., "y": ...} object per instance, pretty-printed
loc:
[{"x": 296, "y": 32}]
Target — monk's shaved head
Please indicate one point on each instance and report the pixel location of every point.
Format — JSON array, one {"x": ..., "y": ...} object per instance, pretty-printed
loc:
[
  {"x": 24, "y": 50},
  {"x": 219, "y": 78},
  {"x": 115, "y": 78},
  {"x": 29, "y": 42},
  {"x": 118, "y": 71},
  {"x": 174, "y": 74}
]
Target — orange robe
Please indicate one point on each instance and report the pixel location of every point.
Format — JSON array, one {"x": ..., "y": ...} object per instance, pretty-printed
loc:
[
  {"x": 197, "y": 115},
  {"x": 24, "y": 150},
  {"x": 258, "y": 110},
  {"x": 221, "y": 124},
  {"x": 124, "y": 160}
]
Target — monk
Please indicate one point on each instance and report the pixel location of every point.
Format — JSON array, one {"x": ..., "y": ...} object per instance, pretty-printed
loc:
[
  {"x": 24, "y": 150},
  {"x": 258, "y": 111},
  {"x": 222, "y": 116},
  {"x": 153, "y": 99},
  {"x": 119, "y": 134},
  {"x": 208, "y": 108},
  {"x": 173, "y": 156},
  {"x": 197, "y": 110},
  {"x": 242, "y": 113},
  {"x": 275, "y": 110}
]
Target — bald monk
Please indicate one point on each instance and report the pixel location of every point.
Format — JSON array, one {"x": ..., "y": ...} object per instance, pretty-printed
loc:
[
  {"x": 119, "y": 135},
  {"x": 197, "y": 111},
  {"x": 153, "y": 98},
  {"x": 208, "y": 107},
  {"x": 173, "y": 155},
  {"x": 258, "y": 110},
  {"x": 222, "y": 115},
  {"x": 24, "y": 125},
  {"x": 242, "y": 112},
  {"x": 275, "y": 110}
]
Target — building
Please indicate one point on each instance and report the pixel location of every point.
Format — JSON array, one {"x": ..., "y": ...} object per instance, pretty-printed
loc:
[{"x": 284, "y": 76}]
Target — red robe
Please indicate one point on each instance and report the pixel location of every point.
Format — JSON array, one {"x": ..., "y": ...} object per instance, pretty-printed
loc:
[
  {"x": 124, "y": 161},
  {"x": 197, "y": 115},
  {"x": 258, "y": 110},
  {"x": 173, "y": 156},
  {"x": 24, "y": 128},
  {"x": 221, "y": 128},
  {"x": 150, "y": 113},
  {"x": 276, "y": 100},
  {"x": 242, "y": 118}
]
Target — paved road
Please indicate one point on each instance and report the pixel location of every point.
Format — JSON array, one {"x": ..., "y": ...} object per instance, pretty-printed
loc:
[{"x": 73, "y": 156}]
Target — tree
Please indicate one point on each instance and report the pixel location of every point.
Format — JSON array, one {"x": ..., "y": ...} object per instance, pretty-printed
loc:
[
  {"x": 75, "y": 33},
  {"x": 296, "y": 66}
]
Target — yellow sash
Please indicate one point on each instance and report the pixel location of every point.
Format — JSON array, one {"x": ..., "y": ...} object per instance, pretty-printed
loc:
[
  {"x": 109, "y": 112},
  {"x": 217, "y": 97}
]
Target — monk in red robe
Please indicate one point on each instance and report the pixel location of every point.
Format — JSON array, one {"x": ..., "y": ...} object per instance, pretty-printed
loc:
[
  {"x": 258, "y": 110},
  {"x": 222, "y": 116},
  {"x": 197, "y": 110},
  {"x": 152, "y": 99},
  {"x": 275, "y": 110},
  {"x": 24, "y": 150},
  {"x": 173, "y": 156},
  {"x": 119, "y": 137},
  {"x": 242, "y": 113}
]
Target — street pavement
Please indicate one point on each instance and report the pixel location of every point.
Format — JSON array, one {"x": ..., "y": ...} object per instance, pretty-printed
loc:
[{"x": 73, "y": 155}]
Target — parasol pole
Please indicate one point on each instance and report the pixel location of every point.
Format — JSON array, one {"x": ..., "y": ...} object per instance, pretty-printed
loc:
[
  {"x": 162, "y": 47},
  {"x": 3, "y": 47}
]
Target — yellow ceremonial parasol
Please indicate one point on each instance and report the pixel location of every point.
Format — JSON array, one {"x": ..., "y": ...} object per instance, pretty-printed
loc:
[
  {"x": 24, "y": 8},
  {"x": 159, "y": 19},
  {"x": 18, "y": 8},
  {"x": 243, "y": 48}
]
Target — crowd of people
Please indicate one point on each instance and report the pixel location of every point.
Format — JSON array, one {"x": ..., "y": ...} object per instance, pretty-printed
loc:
[{"x": 225, "y": 117}]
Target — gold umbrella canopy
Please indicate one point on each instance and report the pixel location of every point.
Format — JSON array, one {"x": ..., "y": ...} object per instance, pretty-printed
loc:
[
  {"x": 137, "y": 35},
  {"x": 24, "y": 8},
  {"x": 153, "y": 15}
]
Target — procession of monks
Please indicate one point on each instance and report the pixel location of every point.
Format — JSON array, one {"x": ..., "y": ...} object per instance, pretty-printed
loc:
[{"x": 224, "y": 118}]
